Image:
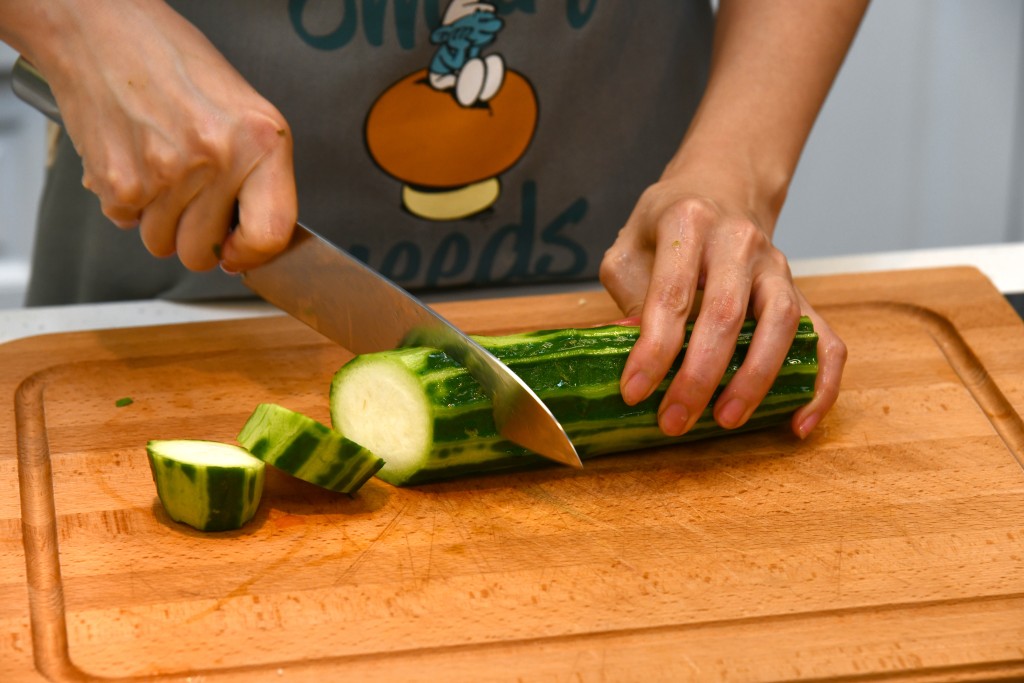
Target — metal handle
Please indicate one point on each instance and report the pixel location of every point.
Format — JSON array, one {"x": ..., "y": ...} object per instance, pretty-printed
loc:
[{"x": 29, "y": 85}]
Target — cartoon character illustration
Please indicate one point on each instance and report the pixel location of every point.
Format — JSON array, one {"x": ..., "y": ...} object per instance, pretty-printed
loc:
[
  {"x": 467, "y": 28},
  {"x": 449, "y": 131}
]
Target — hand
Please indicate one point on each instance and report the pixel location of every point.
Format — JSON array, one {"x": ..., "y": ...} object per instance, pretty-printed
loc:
[
  {"x": 677, "y": 242},
  {"x": 171, "y": 136}
]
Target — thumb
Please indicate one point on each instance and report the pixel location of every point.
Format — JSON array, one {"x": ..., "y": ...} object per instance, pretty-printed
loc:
[{"x": 267, "y": 212}]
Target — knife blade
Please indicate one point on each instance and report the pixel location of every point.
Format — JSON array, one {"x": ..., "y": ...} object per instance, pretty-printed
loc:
[
  {"x": 350, "y": 303},
  {"x": 355, "y": 306}
]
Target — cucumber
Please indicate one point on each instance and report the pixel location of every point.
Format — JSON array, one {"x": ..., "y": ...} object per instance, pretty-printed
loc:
[
  {"x": 208, "y": 485},
  {"x": 304, "y": 448},
  {"x": 430, "y": 420}
]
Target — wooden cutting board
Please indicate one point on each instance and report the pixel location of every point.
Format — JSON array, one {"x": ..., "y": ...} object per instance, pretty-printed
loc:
[{"x": 889, "y": 543}]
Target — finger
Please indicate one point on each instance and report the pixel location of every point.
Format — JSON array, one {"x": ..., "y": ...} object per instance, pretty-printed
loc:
[
  {"x": 124, "y": 217},
  {"x": 625, "y": 271},
  {"x": 204, "y": 226},
  {"x": 777, "y": 310},
  {"x": 710, "y": 348},
  {"x": 160, "y": 220},
  {"x": 667, "y": 304},
  {"x": 267, "y": 212},
  {"x": 832, "y": 354},
  {"x": 121, "y": 192}
]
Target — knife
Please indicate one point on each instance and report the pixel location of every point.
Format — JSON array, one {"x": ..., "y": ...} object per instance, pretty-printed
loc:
[{"x": 363, "y": 311}]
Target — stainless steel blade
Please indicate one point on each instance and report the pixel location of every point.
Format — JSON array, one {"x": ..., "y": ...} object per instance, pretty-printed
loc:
[{"x": 350, "y": 303}]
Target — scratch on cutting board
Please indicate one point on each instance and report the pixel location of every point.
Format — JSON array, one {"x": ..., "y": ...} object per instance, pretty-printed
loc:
[
  {"x": 839, "y": 569},
  {"x": 239, "y": 590},
  {"x": 362, "y": 556},
  {"x": 545, "y": 496},
  {"x": 479, "y": 559},
  {"x": 430, "y": 550}
]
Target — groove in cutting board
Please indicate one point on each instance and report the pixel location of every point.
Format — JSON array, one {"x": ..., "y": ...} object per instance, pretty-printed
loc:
[{"x": 972, "y": 373}]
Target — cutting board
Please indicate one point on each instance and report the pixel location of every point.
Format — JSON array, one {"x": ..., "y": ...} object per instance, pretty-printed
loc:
[{"x": 890, "y": 543}]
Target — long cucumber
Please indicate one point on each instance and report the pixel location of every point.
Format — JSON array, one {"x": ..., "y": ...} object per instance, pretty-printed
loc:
[{"x": 430, "y": 420}]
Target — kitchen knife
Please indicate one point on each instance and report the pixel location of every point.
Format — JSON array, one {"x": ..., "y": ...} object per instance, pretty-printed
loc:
[
  {"x": 350, "y": 303},
  {"x": 353, "y": 305}
]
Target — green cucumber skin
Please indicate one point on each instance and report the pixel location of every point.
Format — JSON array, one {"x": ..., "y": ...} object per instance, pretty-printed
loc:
[
  {"x": 231, "y": 494},
  {"x": 576, "y": 373},
  {"x": 304, "y": 448}
]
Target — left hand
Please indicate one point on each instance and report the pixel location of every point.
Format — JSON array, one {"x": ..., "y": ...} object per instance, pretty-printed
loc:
[{"x": 685, "y": 236}]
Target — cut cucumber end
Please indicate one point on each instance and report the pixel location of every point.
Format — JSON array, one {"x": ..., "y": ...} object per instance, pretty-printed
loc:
[
  {"x": 379, "y": 403},
  {"x": 208, "y": 485}
]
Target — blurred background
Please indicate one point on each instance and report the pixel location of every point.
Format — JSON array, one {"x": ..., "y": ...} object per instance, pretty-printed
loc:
[{"x": 920, "y": 144}]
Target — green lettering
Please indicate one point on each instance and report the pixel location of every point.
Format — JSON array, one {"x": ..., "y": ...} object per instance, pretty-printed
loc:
[
  {"x": 453, "y": 248},
  {"x": 406, "y": 251},
  {"x": 577, "y": 17},
  {"x": 333, "y": 40},
  {"x": 521, "y": 235},
  {"x": 552, "y": 234}
]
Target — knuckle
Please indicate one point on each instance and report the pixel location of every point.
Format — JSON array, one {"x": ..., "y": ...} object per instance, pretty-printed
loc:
[
  {"x": 271, "y": 238},
  {"x": 613, "y": 266},
  {"x": 725, "y": 310},
  {"x": 268, "y": 130},
  {"x": 836, "y": 348},
  {"x": 689, "y": 213},
  {"x": 693, "y": 387},
  {"x": 786, "y": 309},
  {"x": 749, "y": 240},
  {"x": 165, "y": 163},
  {"x": 759, "y": 375},
  {"x": 778, "y": 261},
  {"x": 213, "y": 145},
  {"x": 670, "y": 296},
  {"x": 120, "y": 187}
]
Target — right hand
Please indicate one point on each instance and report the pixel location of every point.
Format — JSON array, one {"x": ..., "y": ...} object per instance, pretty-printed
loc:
[{"x": 171, "y": 136}]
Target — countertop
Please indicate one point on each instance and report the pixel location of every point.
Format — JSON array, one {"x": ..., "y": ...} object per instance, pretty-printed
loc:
[{"x": 1001, "y": 263}]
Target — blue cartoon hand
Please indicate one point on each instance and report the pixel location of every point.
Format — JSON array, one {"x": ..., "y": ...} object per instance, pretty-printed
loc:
[{"x": 463, "y": 40}]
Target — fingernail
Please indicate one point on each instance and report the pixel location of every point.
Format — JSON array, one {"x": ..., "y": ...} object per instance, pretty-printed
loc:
[
  {"x": 730, "y": 415},
  {"x": 673, "y": 419},
  {"x": 808, "y": 424},
  {"x": 228, "y": 270},
  {"x": 637, "y": 388}
]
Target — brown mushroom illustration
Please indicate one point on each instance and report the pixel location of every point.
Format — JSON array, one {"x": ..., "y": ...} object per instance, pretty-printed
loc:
[{"x": 448, "y": 157}]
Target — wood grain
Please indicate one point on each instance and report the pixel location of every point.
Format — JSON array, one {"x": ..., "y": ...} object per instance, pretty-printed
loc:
[{"x": 890, "y": 544}]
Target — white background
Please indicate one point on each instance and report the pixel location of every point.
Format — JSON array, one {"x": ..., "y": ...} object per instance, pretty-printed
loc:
[{"x": 921, "y": 143}]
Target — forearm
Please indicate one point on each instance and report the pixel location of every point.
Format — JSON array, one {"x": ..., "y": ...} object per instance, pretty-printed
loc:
[
  {"x": 772, "y": 66},
  {"x": 49, "y": 32}
]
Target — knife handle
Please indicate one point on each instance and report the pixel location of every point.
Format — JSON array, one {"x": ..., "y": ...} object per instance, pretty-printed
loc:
[{"x": 30, "y": 86}]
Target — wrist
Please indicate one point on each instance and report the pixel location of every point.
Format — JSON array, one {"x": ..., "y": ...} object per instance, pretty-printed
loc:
[
  {"x": 36, "y": 29},
  {"x": 745, "y": 179}
]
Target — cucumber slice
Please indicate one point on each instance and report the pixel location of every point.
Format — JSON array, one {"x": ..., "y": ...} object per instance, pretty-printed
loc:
[
  {"x": 430, "y": 420},
  {"x": 208, "y": 485},
  {"x": 304, "y": 448}
]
